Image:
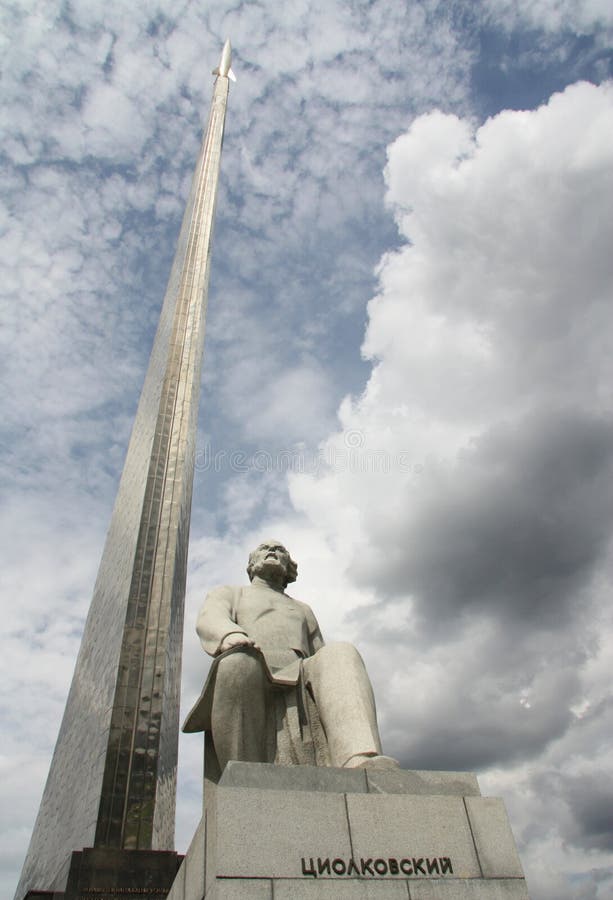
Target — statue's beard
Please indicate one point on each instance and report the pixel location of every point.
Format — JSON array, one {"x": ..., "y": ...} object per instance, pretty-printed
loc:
[{"x": 270, "y": 566}]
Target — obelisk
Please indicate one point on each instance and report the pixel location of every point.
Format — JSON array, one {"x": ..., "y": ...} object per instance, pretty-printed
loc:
[{"x": 112, "y": 781}]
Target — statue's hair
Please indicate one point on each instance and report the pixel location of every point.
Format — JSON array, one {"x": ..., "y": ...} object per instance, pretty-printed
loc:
[{"x": 292, "y": 567}]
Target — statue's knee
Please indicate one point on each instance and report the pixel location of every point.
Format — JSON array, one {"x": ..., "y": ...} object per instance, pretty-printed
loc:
[
  {"x": 341, "y": 650},
  {"x": 240, "y": 669},
  {"x": 338, "y": 656}
]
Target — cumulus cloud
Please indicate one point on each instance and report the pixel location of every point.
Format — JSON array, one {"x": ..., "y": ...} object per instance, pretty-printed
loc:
[{"x": 486, "y": 540}]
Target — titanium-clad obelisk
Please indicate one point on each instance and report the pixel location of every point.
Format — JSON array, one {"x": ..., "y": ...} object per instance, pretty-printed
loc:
[{"x": 112, "y": 780}]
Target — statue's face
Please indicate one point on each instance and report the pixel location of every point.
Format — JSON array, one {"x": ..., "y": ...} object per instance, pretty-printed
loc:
[{"x": 270, "y": 558}]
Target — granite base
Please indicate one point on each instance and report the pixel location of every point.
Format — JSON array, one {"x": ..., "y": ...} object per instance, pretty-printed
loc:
[{"x": 349, "y": 834}]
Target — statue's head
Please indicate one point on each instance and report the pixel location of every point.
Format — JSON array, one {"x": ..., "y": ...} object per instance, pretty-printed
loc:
[{"x": 270, "y": 558}]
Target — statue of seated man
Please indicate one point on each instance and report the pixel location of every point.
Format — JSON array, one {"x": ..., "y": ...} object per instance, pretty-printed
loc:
[{"x": 268, "y": 648}]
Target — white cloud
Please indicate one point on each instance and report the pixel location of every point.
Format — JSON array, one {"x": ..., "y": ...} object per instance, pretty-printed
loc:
[
  {"x": 490, "y": 338},
  {"x": 555, "y": 15}
]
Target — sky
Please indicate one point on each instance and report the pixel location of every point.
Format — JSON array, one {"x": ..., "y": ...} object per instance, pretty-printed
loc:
[{"x": 407, "y": 374}]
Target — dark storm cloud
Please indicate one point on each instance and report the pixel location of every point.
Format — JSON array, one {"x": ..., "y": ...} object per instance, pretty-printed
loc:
[
  {"x": 476, "y": 694},
  {"x": 514, "y": 527},
  {"x": 587, "y": 802},
  {"x": 590, "y": 799},
  {"x": 466, "y": 739}
]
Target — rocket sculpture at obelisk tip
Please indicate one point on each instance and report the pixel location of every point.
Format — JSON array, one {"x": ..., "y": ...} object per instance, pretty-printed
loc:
[
  {"x": 223, "y": 69},
  {"x": 112, "y": 780}
]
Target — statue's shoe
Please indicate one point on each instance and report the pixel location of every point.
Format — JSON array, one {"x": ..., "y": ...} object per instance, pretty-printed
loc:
[{"x": 362, "y": 761}]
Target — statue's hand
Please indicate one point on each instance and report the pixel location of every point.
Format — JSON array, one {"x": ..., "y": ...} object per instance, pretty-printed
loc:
[{"x": 236, "y": 639}]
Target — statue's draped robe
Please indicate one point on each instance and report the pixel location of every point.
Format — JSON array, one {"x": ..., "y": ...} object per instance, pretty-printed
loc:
[{"x": 286, "y": 631}]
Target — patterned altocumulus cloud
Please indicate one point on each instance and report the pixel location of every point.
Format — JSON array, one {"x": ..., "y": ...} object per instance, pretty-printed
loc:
[{"x": 452, "y": 513}]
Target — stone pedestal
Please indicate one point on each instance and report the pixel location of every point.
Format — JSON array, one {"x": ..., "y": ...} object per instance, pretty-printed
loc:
[{"x": 307, "y": 832}]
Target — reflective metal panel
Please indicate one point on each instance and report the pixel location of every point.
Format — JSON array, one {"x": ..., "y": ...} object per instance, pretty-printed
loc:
[{"x": 113, "y": 775}]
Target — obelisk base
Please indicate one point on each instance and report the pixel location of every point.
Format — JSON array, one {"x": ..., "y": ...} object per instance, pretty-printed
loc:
[
  {"x": 307, "y": 832},
  {"x": 103, "y": 873}
]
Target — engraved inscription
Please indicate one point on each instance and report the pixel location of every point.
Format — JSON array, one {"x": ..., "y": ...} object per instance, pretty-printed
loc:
[
  {"x": 409, "y": 865},
  {"x": 103, "y": 893}
]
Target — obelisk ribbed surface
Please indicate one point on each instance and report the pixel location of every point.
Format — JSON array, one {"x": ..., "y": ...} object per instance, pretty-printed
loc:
[{"x": 112, "y": 781}]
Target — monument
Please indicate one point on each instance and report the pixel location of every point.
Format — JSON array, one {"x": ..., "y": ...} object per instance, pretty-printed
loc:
[
  {"x": 112, "y": 782},
  {"x": 276, "y": 693},
  {"x": 299, "y": 800}
]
